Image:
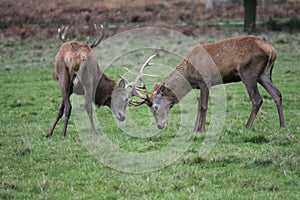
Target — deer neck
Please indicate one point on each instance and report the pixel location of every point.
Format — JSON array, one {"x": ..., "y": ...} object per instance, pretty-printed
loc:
[
  {"x": 177, "y": 84},
  {"x": 104, "y": 91}
]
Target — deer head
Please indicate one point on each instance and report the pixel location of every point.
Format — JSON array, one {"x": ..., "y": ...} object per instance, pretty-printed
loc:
[
  {"x": 161, "y": 100},
  {"x": 159, "y": 106},
  {"x": 119, "y": 100}
]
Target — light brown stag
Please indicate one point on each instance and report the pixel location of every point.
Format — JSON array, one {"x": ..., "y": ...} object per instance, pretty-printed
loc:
[
  {"x": 246, "y": 58},
  {"x": 76, "y": 67}
]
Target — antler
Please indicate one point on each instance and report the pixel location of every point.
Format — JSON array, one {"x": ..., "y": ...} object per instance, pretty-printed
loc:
[
  {"x": 62, "y": 33},
  {"x": 100, "y": 32},
  {"x": 136, "y": 90}
]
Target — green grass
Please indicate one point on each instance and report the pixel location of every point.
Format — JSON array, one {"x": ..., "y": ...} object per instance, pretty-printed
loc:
[{"x": 260, "y": 163}]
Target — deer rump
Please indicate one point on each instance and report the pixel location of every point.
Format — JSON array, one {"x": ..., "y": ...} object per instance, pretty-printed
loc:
[{"x": 78, "y": 58}]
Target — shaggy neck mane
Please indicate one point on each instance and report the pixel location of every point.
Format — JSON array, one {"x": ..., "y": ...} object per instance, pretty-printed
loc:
[
  {"x": 177, "y": 85},
  {"x": 104, "y": 91}
]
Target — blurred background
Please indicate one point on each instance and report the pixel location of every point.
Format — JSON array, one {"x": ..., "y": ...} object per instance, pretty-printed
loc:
[{"x": 41, "y": 18}]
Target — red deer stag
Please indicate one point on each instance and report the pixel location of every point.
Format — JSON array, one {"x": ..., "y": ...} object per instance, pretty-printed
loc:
[
  {"x": 246, "y": 58},
  {"x": 77, "y": 69}
]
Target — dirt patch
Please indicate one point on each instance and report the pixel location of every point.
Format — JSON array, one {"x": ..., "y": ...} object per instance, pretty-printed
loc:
[{"x": 41, "y": 18}]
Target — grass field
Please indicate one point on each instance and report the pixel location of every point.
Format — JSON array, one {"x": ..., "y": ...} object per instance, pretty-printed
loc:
[{"x": 260, "y": 163}]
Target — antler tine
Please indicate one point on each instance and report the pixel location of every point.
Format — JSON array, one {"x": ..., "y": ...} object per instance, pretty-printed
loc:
[
  {"x": 122, "y": 77},
  {"x": 100, "y": 32},
  {"x": 141, "y": 72},
  {"x": 131, "y": 72},
  {"x": 135, "y": 92},
  {"x": 150, "y": 75},
  {"x": 136, "y": 103},
  {"x": 62, "y": 33},
  {"x": 147, "y": 63},
  {"x": 149, "y": 59},
  {"x": 135, "y": 89}
]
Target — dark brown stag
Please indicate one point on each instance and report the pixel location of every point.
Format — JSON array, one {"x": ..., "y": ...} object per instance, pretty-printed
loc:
[
  {"x": 246, "y": 58},
  {"x": 76, "y": 67}
]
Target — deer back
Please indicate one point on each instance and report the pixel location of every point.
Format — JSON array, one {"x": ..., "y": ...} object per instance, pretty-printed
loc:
[{"x": 221, "y": 61}]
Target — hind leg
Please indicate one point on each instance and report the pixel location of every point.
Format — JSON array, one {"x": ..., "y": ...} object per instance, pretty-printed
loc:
[
  {"x": 251, "y": 86},
  {"x": 267, "y": 83}
]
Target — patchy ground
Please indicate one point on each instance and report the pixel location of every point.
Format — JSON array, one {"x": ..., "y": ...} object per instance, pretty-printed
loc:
[{"x": 40, "y": 18}]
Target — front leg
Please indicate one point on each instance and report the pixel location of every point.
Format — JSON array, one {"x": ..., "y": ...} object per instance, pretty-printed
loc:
[
  {"x": 202, "y": 108},
  {"x": 89, "y": 94}
]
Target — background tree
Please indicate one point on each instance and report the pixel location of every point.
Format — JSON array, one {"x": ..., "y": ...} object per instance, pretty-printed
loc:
[
  {"x": 250, "y": 15},
  {"x": 209, "y": 4}
]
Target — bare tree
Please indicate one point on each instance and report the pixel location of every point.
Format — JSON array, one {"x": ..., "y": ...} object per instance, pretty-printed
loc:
[
  {"x": 250, "y": 16},
  {"x": 209, "y": 4}
]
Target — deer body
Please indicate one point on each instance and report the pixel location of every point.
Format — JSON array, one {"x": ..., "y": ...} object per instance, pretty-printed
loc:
[
  {"x": 246, "y": 58},
  {"x": 76, "y": 67}
]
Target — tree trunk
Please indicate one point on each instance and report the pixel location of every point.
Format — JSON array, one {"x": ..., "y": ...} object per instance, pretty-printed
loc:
[
  {"x": 209, "y": 4},
  {"x": 250, "y": 15}
]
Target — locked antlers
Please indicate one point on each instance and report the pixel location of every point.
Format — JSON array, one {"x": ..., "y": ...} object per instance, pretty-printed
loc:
[{"x": 136, "y": 90}]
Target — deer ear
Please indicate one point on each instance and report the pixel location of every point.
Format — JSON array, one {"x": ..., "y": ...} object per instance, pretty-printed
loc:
[
  {"x": 122, "y": 83},
  {"x": 161, "y": 89}
]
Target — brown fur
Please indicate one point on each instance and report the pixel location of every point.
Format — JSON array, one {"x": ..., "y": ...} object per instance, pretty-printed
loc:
[
  {"x": 104, "y": 91},
  {"x": 246, "y": 58},
  {"x": 70, "y": 58},
  {"x": 71, "y": 54}
]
